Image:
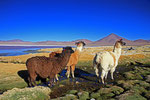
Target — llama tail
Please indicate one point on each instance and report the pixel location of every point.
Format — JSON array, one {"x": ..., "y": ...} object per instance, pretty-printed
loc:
[
  {"x": 96, "y": 65},
  {"x": 94, "y": 61}
]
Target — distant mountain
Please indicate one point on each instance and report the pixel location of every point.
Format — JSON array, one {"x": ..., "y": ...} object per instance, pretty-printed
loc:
[
  {"x": 15, "y": 40},
  {"x": 85, "y": 40},
  {"x": 106, "y": 41},
  {"x": 142, "y": 41},
  {"x": 109, "y": 40},
  {"x": 62, "y": 43}
]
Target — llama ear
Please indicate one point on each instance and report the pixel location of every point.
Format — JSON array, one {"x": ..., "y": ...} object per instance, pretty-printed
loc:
[
  {"x": 64, "y": 48},
  {"x": 70, "y": 47},
  {"x": 83, "y": 44},
  {"x": 120, "y": 39}
]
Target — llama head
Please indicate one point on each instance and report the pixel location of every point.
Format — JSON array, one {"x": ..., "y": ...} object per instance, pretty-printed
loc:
[
  {"x": 67, "y": 50},
  {"x": 119, "y": 43},
  {"x": 80, "y": 45}
]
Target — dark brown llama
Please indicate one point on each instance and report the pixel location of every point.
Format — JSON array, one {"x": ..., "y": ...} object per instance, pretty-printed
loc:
[{"x": 47, "y": 67}]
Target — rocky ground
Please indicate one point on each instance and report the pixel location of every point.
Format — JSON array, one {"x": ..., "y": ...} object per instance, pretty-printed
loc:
[
  {"x": 132, "y": 78},
  {"x": 133, "y": 84}
]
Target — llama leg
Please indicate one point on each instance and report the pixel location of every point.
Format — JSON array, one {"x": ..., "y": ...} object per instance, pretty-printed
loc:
[
  {"x": 33, "y": 78},
  {"x": 96, "y": 70},
  {"x": 51, "y": 79},
  {"x": 68, "y": 71},
  {"x": 72, "y": 70},
  {"x": 29, "y": 80},
  {"x": 102, "y": 76},
  {"x": 106, "y": 75},
  {"x": 112, "y": 71},
  {"x": 56, "y": 76},
  {"x": 96, "y": 67}
]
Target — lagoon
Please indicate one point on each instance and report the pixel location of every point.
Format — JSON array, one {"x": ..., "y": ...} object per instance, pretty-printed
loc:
[{"x": 21, "y": 50}]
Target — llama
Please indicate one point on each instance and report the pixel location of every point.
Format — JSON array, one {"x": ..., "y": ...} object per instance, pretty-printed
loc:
[
  {"x": 47, "y": 67},
  {"x": 74, "y": 58},
  {"x": 108, "y": 61}
]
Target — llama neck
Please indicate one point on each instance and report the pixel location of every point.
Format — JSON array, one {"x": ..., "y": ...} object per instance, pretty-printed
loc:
[
  {"x": 64, "y": 60},
  {"x": 77, "y": 53},
  {"x": 117, "y": 51},
  {"x": 79, "y": 48},
  {"x": 62, "y": 63}
]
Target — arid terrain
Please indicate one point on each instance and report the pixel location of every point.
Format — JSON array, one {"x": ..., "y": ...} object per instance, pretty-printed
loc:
[{"x": 132, "y": 77}]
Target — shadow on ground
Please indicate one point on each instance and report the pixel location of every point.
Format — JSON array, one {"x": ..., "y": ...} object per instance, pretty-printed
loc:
[
  {"x": 79, "y": 74},
  {"x": 24, "y": 75}
]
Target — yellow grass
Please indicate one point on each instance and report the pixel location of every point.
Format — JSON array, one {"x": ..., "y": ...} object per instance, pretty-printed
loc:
[
  {"x": 10, "y": 68},
  {"x": 9, "y": 77},
  {"x": 22, "y": 58}
]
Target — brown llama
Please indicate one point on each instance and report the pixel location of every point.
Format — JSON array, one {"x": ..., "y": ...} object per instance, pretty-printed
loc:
[
  {"x": 47, "y": 67},
  {"x": 74, "y": 58}
]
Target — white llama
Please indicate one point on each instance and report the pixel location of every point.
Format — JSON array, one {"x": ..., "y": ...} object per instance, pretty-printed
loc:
[{"x": 107, "y": 61}]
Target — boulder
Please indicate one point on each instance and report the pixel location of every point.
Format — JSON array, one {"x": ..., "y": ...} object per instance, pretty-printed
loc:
[
  {"x": 117, "y": 90},
  {"x": 148, "y": 78},
  {"x": 37, "y": 92},
  {"x": 84, "y": 95},
  {"x": 72, "y": 92},
  {"x": 95, "y": 95},
  {"x": 130, "y": 95}
]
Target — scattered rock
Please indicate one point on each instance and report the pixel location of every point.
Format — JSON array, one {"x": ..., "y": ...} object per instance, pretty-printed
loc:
[
  {"x": 77, "y": 82},
  {"x": 61, "y": 85},
  {"x": 132, "y": 76},
  {"x": 70, "y": 97},
  {"x": 117, "y": 90},
  {"x": 109, "y": 95},
  {"x": 143, "y": 84},
  {"x": 67, "y": 97},
  {"x": 147, "y": 95},
  {"x": 84, "y": 95},
  {"x": 38, "y": 92},
  {"x": 130, "y": 95},
  {"x": 95, "y": 95},
  {"x": 138, "y": 89},
  {"x": 99, "y": 98},
  {"x": 148, "y": 78},
  {"x": 104, "y": 91},
  {"x": 72, "y": 92},
  {"x": 128, "y": 84}
]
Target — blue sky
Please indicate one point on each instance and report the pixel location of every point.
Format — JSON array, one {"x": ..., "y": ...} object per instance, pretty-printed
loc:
[{"x": 67, "y": 20}]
